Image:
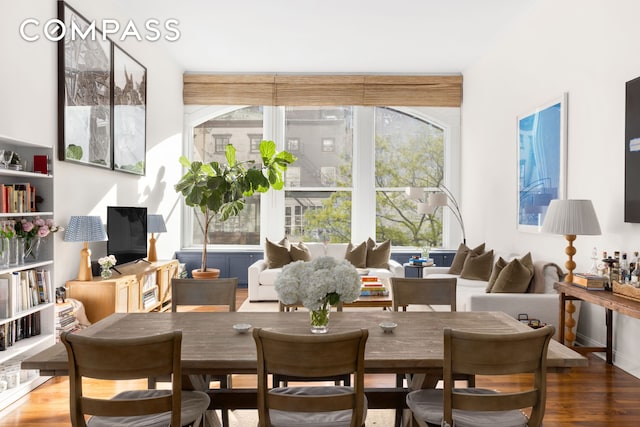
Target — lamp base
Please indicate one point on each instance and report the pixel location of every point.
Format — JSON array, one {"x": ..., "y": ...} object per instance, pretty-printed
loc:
[
  {"x": 153, "y": 256},
  {"x": 84, "y": 272},
  {"x": 570, "y": 250}
]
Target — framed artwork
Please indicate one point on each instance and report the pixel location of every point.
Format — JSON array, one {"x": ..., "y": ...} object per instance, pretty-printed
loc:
[
  {"x": 84, "y": 94},
  {"x": 542, "y": 161},
  {"x": 129, "y": 113}
]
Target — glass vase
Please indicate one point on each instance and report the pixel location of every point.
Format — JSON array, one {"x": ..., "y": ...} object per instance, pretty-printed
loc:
[
  {"x": 4, "y": 252},
  {"x": 32, "y": 249},
  {"x": 320, "y": 320},
  {"x": 13, "y": 251},
  {"x": 106, "y": 273}
]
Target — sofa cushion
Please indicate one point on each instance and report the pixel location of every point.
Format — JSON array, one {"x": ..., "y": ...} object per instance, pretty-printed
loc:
[
  {"x": 357, "y": 255},
  {"x": 515, "y": 276},
  {"x": 497, "y": 268},
  {"x": 477, "y": 267},
  {"x": 378, "y": 255},
  {"x": 300, "y": 252},
  {"x": 277, "y": 254},
  {"x": 461, "y": 256}
]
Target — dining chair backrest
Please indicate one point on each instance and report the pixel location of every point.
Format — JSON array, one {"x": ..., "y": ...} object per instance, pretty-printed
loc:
[
  {"x": 496, "y": 354},
  {"x": 204, "y": 292},
  {"x": 425, "y": 291},
  {"x": 123, "y": 359},
  {"x": 311, "y": 356}
]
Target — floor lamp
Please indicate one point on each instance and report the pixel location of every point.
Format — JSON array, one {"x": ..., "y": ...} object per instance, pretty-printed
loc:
[
  {"x": 155, "y": 224},
  {"x": 571, "y": 218},
  {"x": 438, "y": 197},
  {"x": 85, "y": 229}
]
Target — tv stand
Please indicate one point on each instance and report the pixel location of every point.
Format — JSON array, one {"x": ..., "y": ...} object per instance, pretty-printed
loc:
[{"x": 140, "y": 287}]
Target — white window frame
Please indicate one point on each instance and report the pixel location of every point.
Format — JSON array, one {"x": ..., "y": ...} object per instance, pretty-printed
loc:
[{"x": 272, "y": 206}]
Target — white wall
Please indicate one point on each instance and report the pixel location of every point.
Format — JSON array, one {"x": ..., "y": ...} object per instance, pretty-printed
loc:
[
  {"x": 28, "y": 111},
  {"x": 587, "y": 48}
]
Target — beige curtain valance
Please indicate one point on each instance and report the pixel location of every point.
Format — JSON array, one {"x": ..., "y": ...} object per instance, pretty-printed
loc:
[{"x": 276, "y": 89}]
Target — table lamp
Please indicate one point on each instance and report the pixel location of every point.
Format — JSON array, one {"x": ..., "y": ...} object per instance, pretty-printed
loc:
[
  {"x": 85, "y": 229},
  {"x": 155, "y": 224},
  {"x": 571, "y": 218}
]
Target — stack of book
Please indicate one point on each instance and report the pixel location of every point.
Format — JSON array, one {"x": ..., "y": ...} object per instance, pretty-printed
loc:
[
  {"x": 372, "y": 286},
  {"x": 424, "y": 262},
  {"x": 589, "y": 281},
  {"x": 65, "y": 318}
]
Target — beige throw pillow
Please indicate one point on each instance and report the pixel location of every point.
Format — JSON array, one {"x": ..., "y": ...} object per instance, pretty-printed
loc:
[
  {"x": 378, "y": 255},
  {"x": 357, "y": 255},
  {"x": 477, "y": 267},
  {"x": 461, "y": 257},
  {"x": 300, "y": 252},
  {"x": 500, "y": 264},
  {"x": 515, "y": 276},
  {"x": 277, "y": 254}
]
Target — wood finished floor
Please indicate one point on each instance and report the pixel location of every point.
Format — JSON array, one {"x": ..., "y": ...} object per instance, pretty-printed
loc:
[{"x": 598, "y": 395}]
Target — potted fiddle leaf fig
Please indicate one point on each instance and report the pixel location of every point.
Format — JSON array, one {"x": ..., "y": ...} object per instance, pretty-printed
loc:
[{"x": 220, "y": 191}]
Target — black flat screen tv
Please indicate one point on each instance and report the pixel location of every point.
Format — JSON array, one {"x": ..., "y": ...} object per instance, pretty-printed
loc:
[{"x": 127, "y": 233}]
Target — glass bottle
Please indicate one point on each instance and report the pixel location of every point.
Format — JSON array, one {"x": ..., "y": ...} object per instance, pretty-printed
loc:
[
  {"x": 624, "y": 269},
  {"x": 635, "y": 273}
]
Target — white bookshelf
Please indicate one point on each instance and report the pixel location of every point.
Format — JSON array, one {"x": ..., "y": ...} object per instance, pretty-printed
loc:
[{"x": 20, "y": 382}]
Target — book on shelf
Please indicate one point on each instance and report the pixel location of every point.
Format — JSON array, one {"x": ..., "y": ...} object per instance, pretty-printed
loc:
[
  {"x": 589, "y": 281},
  {"x": 17, "y": 198}
]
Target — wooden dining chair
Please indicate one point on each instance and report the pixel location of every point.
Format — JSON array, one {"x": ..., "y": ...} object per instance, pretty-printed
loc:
[
  {"x": 311, "y": 356},
  {"x": 283, "y": 380},
  {"x": 126, "y": 359},
  {"x": 423, "y": 291},
  {"x": 487, "y": 354},
  {"x": 204, "y": 292}
]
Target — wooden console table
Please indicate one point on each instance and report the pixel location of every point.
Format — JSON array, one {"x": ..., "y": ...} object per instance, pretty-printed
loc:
[
  {"x": 139, "y": 287},
  {"x": 610, "y": 301}
]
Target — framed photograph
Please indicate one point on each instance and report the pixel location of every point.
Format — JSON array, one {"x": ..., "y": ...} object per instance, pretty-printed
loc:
[
  {"x": 542, "y": 161},
  {"x": 129, "y": 113},
  {"x": 84, "y": 94}
]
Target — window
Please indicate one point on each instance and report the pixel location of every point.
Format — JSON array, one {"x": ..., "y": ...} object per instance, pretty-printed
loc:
[
  {"x": 395, "y": 148},
  {"x": 220, "y": 143},
  {"x": 328, "y": 144},
  {"x": 325, "y": 176},
  {"x": 255, "y": 140},
  {"x": 293, "y": 144},
  {"x": 228, "y": 128},
  {"x": 417, "y": 145}
]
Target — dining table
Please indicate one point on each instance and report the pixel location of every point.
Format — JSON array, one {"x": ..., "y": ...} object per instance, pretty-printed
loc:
[{"x": 211, "y": 344}]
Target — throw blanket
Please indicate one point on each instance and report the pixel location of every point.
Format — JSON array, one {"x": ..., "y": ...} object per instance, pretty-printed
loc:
[{"x": 537, "y": 285}]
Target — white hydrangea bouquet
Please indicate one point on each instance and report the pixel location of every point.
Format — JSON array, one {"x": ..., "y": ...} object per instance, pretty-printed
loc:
[{"x": 318, "y": 284}]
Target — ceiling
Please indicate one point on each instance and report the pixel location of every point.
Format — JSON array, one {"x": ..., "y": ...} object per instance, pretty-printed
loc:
[{"x": 330, "y": 36}]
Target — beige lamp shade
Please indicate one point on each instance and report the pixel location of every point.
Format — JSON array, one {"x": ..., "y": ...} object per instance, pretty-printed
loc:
[
  {"x": 415, "y": 193},
  {"x": 438, "y": 199},
  {"x": 571, "y": 217}
]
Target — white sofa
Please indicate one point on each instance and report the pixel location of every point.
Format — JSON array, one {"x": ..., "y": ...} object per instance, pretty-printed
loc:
[
  {"x": 472, "y": 295},
  {"x": 261, "y": 279}
]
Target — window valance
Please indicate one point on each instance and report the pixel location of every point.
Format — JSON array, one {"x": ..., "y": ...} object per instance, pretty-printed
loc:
[{"x": 319, "y": 90}]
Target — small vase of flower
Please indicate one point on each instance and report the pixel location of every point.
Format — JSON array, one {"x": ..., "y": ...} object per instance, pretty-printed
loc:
[
  {"x": 317, "y": 285},
  {"x": 105, "y": 266}
]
